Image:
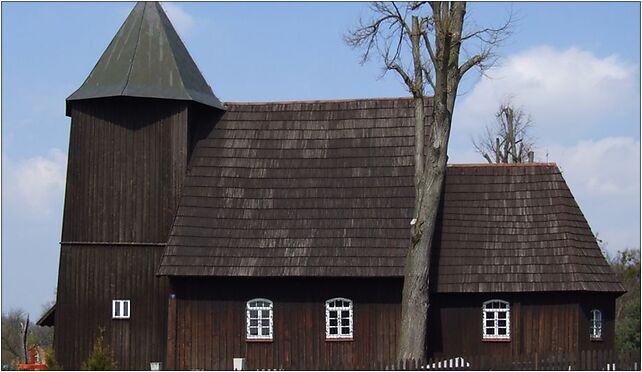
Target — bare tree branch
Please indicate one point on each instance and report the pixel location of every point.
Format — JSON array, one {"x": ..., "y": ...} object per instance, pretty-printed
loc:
[
  {"x": 428, "y": 75},
  {"x": 508, "y": 138},
  {"x": 401, "y": 18},
  {"x": 428, "y": 46},
  {"x": 491, "y": 34},
  {"x": 366, "y": 34},
  {"x": 474, "y": 61},
  {"x": 402, "y": 73}
]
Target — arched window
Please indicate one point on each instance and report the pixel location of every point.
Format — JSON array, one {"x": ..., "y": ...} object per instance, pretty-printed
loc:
[
  {"x": 338, "y": 319},
  {"x": 596, "y": 324},
  {"x": 259, "y": 319},
  {"x": 496, "y": 320}
]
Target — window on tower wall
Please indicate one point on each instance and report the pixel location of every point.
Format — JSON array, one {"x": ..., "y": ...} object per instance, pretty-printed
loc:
[
  {"x": 338, "y": 319},
  {"x": 120, "y": 309},
  {"x": 259, "y": 320},
  {"x": 496, "y": 320}
]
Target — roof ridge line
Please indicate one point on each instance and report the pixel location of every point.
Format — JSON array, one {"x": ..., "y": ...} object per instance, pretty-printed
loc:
[
  {"x": 131, "y": 65},
  {"x": 171, "y": 47},
  {"x": 501, "y": 165},
  {"x": 312, "y": 101}
]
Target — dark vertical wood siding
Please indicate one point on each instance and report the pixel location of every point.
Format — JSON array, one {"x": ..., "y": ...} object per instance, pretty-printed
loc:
[
  {"x": 91, "y": 276},
  {"x": 126, "y": 166},
  {"x": 540, "y": 322},
  {"x": 210, "y": 323},
  {"x": 606, "y": 304}
]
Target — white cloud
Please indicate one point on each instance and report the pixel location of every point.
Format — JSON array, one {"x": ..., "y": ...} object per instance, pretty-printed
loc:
[
  {"x": 182, "y": 21},
  {"x": 608, "y": 167},
  {"x": 562, "y": 89},
  {"x": 35, "y": 185}
]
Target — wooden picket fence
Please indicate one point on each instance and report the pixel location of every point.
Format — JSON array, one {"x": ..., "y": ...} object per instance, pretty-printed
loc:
[{"x": 590, "y": 360}]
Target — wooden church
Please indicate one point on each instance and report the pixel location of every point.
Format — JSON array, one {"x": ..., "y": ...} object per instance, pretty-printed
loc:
[{"x": 196, "y": 232}]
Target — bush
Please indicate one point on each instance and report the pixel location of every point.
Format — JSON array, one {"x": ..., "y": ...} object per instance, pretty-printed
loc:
[
  {"x": 627, "y": 309},
  {"x": 100, "y": 358},
  {"x": 51, "y": 361}
]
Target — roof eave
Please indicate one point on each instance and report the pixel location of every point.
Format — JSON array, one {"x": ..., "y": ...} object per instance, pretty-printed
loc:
[{"x": 48, "y": 318}]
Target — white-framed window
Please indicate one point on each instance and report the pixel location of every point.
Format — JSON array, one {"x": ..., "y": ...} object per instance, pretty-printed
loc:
[
  {"x": 338, "y": 319},
  {"x": 496, "y": 320},
  {"x": 120, "y": 309},
  {"x": 596, "y": 324},
  {"x": 259, "y": 319}
]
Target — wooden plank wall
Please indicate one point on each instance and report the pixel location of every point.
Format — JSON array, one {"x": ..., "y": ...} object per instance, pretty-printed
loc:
[
  {"x": 210, "y": 323},
  {"x": 126, "y": 166},
  {"x": 606, "y": 303},
  {"x": 540, "y": 322},
  {"x": 90, "y": 277}
]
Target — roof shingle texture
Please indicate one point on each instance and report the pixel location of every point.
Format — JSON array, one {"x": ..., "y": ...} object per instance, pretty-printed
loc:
[{"x": 326, "y": 189}]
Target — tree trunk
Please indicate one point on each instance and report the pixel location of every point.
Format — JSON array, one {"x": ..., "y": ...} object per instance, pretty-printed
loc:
[
  {"x": 448, "y": 23},
  {"x": 416, "y": 297},
  {"x": 24, "y": 340},
  {"x": 511, "y": 134}
]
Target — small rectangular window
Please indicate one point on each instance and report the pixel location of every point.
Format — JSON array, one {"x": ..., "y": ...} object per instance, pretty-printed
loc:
[{"x": 120, "y": 309}]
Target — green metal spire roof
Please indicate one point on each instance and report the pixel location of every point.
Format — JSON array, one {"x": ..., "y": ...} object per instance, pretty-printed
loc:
[{"x": 147, "y": 58}]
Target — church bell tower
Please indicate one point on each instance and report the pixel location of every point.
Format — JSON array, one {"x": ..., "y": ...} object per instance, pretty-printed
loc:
[{"x": 134, "y": 123}]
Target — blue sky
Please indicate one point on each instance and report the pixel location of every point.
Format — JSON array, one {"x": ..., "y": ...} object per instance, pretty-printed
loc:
[{"x": 575, "y": 67}]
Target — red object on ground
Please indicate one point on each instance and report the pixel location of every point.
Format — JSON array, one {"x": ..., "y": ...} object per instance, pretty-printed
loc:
[
  {"x": 35, "y": 363},
  {"x": 32, "y": 367}
]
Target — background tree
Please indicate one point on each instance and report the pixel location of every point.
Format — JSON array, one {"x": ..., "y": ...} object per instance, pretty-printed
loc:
[
  {"x": 626, "y": 265},
  {"x": 43, "y": 336},
  {"x": 12, "y": 349},
  {"x": 507, "y": 141},
  {"x": 51, "y": 361},
  {"x": 13, "y": 329},
  {"x": 431, "y": 36}
]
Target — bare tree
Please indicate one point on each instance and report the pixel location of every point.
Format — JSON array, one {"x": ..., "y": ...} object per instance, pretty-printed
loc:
[
  {"x": 12, "y": 337},
  {"x": 18, "y": 334},
  {"x": 507, "y": 141},
  {"x": 25, "y": 333},
  {"x": 432, "y": 36}
]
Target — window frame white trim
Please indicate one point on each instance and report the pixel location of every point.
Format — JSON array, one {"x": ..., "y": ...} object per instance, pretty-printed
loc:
[
  {"x": 270, "y": 309},
  {"x": 596, "y": 325},
  {"x": 339, "y": 336},
  {"x": 496, "y": 336},
  {"x": 120, "y": 304}
]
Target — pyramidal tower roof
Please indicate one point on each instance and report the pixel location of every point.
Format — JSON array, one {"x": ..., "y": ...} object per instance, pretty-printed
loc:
[{"x": 147, "y": 58}]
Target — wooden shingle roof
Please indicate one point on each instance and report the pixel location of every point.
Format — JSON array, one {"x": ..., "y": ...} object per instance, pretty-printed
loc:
[
  {"x": 325, "y": 189},
  {"x": 515, "y": 228}
]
